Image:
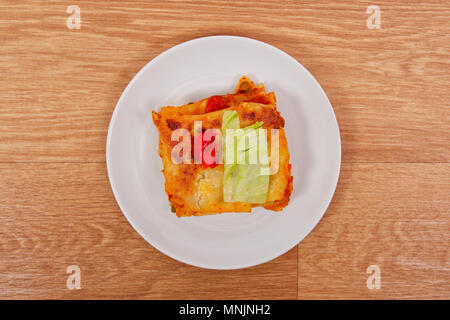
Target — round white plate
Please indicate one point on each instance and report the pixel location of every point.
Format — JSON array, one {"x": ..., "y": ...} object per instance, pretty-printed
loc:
[{"x": 192, "y": 71}]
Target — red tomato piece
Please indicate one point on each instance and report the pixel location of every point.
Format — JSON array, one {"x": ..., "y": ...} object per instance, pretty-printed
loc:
[
  {"x": 216, "y": 103},
  {"x": 213, "y": 153},
  {"x": 204, "y": 144}
]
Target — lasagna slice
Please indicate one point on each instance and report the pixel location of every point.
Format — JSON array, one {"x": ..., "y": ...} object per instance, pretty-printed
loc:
[{"x": 197, "y": 189}]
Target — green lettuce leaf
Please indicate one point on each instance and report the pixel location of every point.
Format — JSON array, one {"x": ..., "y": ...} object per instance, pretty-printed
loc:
[{"x": 243, "y": 149}]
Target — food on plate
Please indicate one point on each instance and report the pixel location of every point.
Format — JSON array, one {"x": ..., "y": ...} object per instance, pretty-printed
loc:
[{"x": 225, "y": 153}]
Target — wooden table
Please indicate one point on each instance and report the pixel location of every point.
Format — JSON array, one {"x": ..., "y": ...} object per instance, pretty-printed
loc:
[{"x": 390, "y": 91}]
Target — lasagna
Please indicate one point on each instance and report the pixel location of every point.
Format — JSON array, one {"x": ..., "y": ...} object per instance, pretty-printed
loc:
[{"x": 222, "y": 127}]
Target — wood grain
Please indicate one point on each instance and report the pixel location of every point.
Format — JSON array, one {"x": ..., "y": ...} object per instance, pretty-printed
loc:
[
  {"x": 57, "y": 215},
  {"x": 389, "y": 89},
  {"x": 396, "y": 216}
]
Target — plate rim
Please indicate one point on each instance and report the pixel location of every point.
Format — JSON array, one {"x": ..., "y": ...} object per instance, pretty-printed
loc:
[{"x": 114, "y": 116}]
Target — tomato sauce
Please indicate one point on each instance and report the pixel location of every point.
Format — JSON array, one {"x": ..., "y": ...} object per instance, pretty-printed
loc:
[
  {"x": 215, "y": 103},
  {"x": 204, "y": 144}
]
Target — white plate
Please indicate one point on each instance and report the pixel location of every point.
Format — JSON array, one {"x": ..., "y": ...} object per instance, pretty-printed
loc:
[{"x": 194, "y": 70}]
